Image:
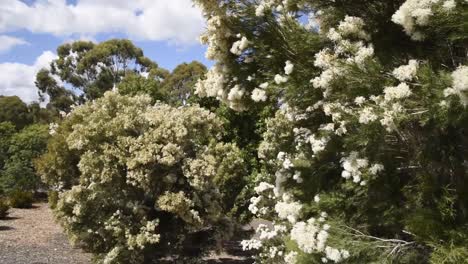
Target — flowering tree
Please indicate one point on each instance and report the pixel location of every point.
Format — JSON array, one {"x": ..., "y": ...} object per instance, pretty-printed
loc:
[
  {"x": 365, "y": 159},
  {"x": 152, "y": 180}
]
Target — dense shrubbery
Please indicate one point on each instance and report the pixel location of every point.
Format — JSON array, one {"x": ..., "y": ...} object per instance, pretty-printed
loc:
[
  {"x": 152, "y": 180},
  {"x": 349, "y": 131},
  {"x": 365, "y": 161},
  {"x": 23, "y": 147},
  {"x": 4, "y": 207},
  {"x": 21, "y": 199}
]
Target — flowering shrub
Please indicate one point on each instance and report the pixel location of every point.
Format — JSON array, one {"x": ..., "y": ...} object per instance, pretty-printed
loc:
[
  {"x": 152, "y": 180},
  {"x": 364, "y": 161}
]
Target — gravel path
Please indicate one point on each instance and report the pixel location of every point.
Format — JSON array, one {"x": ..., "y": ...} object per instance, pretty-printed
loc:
[{"x": 30, "y": 236}]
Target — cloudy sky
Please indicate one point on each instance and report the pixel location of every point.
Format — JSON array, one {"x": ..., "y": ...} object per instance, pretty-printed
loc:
[{"x": 31, "y": 30}]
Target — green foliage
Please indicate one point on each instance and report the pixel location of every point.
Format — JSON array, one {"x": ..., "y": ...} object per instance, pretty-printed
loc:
[
  {"x": 23, "y": 147},
  {"x": 21, "y": 199},
  {"x": 134, "y": 84},
  {"x": 13, "y": 110},
  {"x": 53, "y": 197},
  {"x": 370, "y": 128},
  {"x": 4, "y": 207},
  {"x": 94, "y": 69},
  {"x": 449, "y": 254},
  {"x": 180, "y": 83},
  {"x": 58, "y": 166},
  {"x": 7, "y": 130},
  {"x": 176, "y": 181}
]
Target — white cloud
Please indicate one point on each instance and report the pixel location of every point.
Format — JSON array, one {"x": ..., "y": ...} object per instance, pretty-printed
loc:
[
  {"x": 7, "y": 42},
  {"x": 173, "y": 20},
  {"x": 18, "y": 79}
]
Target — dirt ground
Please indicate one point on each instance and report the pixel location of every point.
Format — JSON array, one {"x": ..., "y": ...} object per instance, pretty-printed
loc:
[{"x": 31, "y": 236}]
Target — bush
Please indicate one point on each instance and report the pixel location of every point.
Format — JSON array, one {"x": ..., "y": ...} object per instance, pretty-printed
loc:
[
  {"x": 53, "y": 197},
  {"x": 18, "y": 171},
  {"x": 4, "y": 207},
  {"x": 21, "y": 199},
  {"x": 153, "y": 180},
  {"x": 365, "y": 160}
]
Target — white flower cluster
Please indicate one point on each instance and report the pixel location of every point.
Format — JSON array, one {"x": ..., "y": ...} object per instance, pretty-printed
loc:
[
  {"x": 213, "y": 84},
  {"x": 262, "y": 7},
  {"x": 345, "y": 52},
  {"x": 406, "y": 72},
  {"x": 354, "y": 167},
  {"x": 318, "y": 143},
  {"x": 279, "y": 79},
  {"x": 367, "y": 115},
  {"x": 311, "y": 236},
  {"x": 53, "y": 128},
  {"x": 413, "y": 13},
  {"x": 235, "y": 96},
  {"x": 239, "y": 46},
  {"x": 288, "y": 208},
  {"x": 259, "y": 95},
  {"x": 460, "y": 84},
  {"x": 397, "y": 92},
  {"x": 215, "y": 39},
  {"x": 288, "y": 69},
  {"x": 121, "y": 141}
]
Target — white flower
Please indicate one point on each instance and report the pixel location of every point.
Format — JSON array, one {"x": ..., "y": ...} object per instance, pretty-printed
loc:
[
  {"x": 53, "y": 128},
  {"x": 263, "y": 85},
  {"x": 236, "y": 93},
  {"x": 259, "y": 95},
  {"x": 263, "y": 186},
  {"x": 297, "y": 177},
  {"x": 363, "y": 53},
  {"x": 288, "y": 69},
  {"x": 352, "y": 166},
  {"x": 353, "y": 26},
  {"x": 406, "y": 72},
  {"x": 287, "y": 209},
  {"x": 376, "y": 168},
  {"x": 414, "y": 13},
  {"x": 251, "y": 244},
  {"x": 367, "y": 115},
  {"x": 449, "y": 5},
  {"x": 317, "y": 198},
  {"x": 360, "y": 100},
  {"x": 280, "y": 79},
  {"x": 333, "y": 35},
  {"x": 460, "y": 83},
  {"x": 449, "y": 91},
  {"x": 318, "y": 144},
  {"x": 397, "y": 92},
  {"x": 324, "y": 59},
  {"x": 239, "y": 46},
  {"x": 291, "y": 257},
  {"x": 260, "y": 10}
]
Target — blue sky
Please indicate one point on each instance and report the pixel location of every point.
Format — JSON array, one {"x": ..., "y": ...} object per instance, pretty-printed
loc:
[
  {"x": 31, "y": 30},
  {"x": 166, "y": 54}
]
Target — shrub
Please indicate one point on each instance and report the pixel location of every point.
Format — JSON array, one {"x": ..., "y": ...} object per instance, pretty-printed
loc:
[
  {"x": 21, "y": 199},
  {"x": 4, "y": 207},
  {"x": 52, "y": 197},
  {"x": 153, "y": 180},
  {"x": 18, "y": 171},
  {"x": 365, "y": 160}
]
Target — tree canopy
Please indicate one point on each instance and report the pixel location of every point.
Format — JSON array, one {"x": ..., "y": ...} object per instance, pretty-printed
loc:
[{"x": 86, "y": 70}]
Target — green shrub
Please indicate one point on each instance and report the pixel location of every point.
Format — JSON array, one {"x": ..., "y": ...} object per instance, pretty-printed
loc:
[
  {"x": 21, "y": 199},
  {"x": 53, "y": 198},
  {"x": 4, "y": 207},
  {"x": 152, "y": 180}
]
